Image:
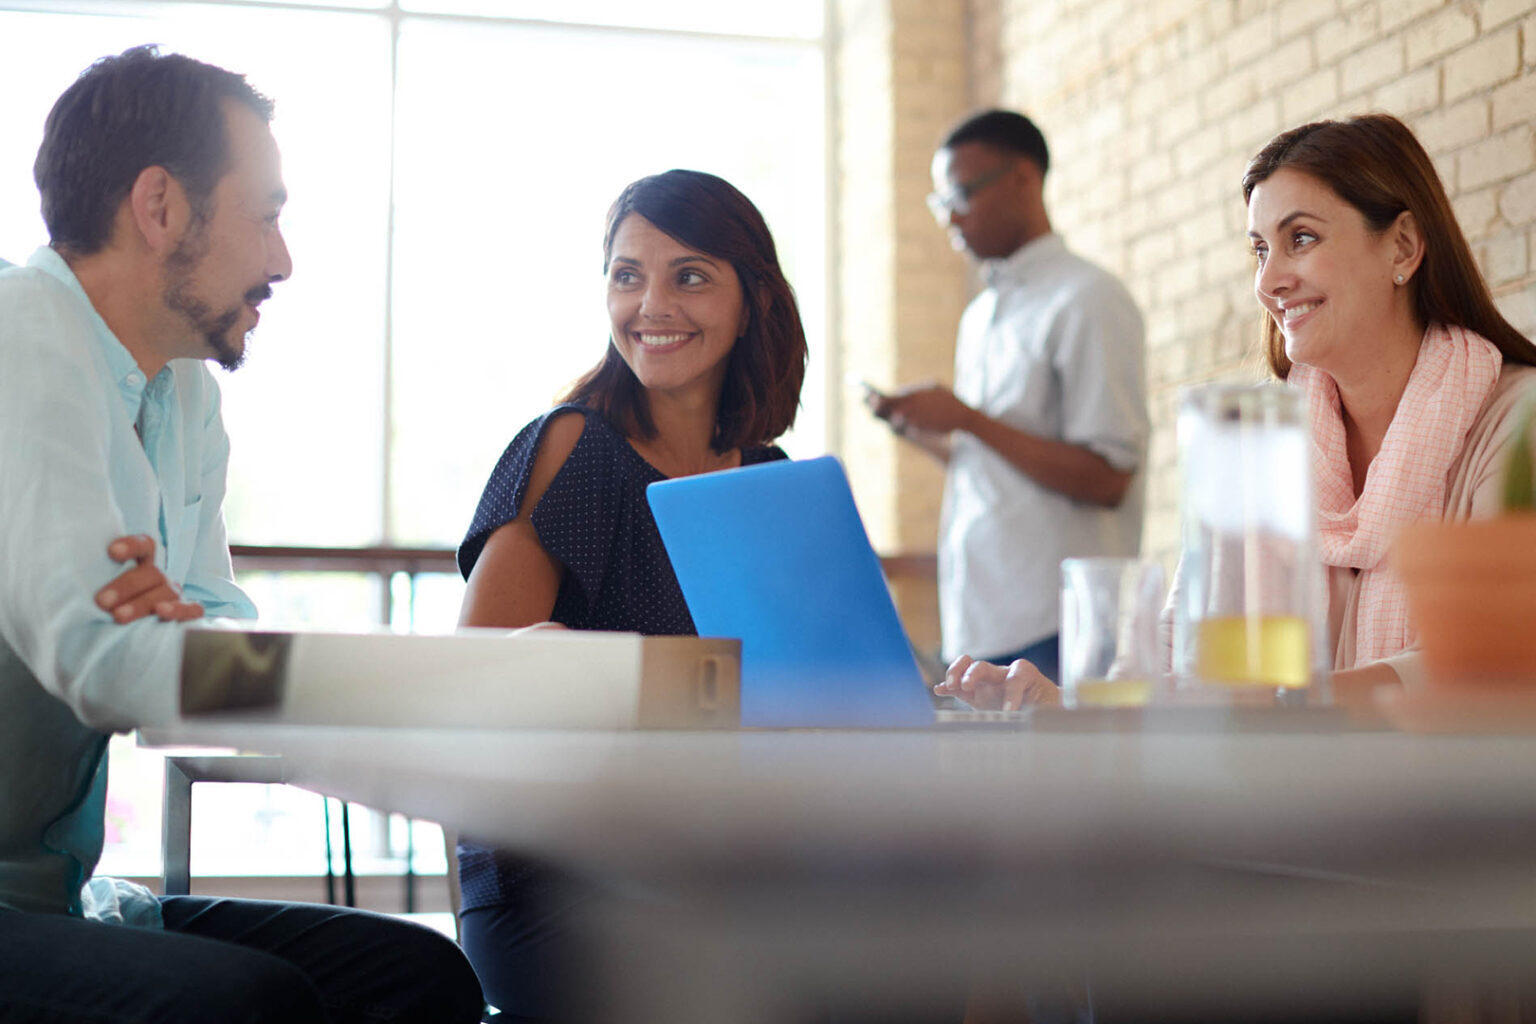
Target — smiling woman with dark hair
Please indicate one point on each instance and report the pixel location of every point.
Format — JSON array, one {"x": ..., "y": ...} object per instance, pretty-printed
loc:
[
  {"x": 702, "y": 371},
  {"x": 761, "y": 388}
]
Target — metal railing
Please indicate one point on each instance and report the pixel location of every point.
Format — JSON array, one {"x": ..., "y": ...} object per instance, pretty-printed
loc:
[{"x": 386, "y": 560}]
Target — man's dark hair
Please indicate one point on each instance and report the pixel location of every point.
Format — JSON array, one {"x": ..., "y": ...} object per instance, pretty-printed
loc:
[
  {"x": 138, "y": 109},
  {"x": 1004, "y": 130},
  {"x": 766, "y": 366}
]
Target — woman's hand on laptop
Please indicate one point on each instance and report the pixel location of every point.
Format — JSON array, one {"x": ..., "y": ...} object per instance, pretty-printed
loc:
[{"x": 990, "y": 687}]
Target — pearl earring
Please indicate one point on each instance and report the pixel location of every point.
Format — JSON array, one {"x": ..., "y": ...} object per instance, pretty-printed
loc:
[{"x": 1399, "y": 279}]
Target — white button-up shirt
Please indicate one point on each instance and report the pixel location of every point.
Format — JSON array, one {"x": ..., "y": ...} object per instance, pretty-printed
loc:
[{"x": 1053, "y": 346}]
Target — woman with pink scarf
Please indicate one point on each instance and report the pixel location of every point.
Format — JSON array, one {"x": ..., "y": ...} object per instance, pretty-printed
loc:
[{"x": 1413, "y": 378}]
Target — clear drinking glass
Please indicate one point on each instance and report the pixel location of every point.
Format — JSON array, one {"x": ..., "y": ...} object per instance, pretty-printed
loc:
[
  {"x": 1110, "y": 655},
  {"x": 1250, "y": 616}
]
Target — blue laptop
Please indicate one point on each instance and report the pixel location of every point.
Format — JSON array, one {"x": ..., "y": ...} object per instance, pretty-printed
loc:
[{"x": 776, "y": 555}]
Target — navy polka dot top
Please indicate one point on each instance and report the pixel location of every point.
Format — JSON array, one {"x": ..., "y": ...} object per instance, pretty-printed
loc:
[{"x": 593, "y": 520}]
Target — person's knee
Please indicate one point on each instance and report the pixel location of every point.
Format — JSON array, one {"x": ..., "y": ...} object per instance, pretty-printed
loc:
[
  {"x": 260, "y": 989},
  {"x": 444, "y": 986}
]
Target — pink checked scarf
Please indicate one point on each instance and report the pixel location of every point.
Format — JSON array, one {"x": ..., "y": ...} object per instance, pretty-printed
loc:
[{"x": 1454, "y": 375}]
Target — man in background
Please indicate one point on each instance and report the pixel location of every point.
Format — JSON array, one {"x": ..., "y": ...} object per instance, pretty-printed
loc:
[
  {"x": 1045, "y": 433},
  {"x": 161, "y": 190}
]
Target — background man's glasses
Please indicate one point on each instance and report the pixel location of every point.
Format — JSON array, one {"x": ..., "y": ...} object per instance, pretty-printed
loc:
[{"x": 956, "y": 199}]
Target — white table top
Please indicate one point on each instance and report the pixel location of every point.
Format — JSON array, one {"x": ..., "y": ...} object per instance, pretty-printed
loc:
[
  {"x": 650, "y": 801},
  {"x": 1214, "y": 851}
]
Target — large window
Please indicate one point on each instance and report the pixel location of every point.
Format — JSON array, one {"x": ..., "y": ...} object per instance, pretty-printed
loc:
[{"x": 449, "y": 164}]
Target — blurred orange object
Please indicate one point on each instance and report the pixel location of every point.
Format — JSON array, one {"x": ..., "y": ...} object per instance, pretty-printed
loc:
[{"x": 1471, "y": 590}]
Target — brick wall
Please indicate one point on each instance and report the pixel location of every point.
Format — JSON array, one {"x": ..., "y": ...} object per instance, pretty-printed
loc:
[{"x": 900, "y": 77}]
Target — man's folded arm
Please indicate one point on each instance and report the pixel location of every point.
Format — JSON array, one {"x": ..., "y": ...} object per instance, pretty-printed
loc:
[{"x": 60, "y": 514}]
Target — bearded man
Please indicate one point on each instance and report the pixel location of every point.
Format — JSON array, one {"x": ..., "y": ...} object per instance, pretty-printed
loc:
[{"x": 161, "y": 189}]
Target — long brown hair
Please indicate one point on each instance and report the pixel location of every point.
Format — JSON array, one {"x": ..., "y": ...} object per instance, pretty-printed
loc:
[
  {"x": 766, "y": 366},
  {"x": 1375, "y": 164}
]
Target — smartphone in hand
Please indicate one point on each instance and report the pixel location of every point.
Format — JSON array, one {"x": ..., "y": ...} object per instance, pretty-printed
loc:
[{"x": 873, "y": 396}]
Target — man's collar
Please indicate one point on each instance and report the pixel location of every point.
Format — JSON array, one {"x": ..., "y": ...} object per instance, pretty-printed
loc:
[
  {"x": 47, "y": 259},
  {"x": 1024, "y": 261},
  {"x": 125, "y": 369}
]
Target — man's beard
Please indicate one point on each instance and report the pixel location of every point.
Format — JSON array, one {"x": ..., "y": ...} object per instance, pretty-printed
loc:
[{"x": 215, "y": 328}]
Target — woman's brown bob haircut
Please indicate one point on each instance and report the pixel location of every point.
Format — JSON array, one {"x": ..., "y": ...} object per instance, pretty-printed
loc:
[
  {"x": 766, "y": 366},
  {"x": 1374, "y": 163}
]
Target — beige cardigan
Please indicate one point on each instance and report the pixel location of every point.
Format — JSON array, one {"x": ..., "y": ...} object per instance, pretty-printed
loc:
[{"x": 1472, "y": 492}]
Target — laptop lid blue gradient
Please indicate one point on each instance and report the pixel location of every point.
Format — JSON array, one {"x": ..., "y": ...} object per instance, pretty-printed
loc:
[{"x": 777, "y": 555}]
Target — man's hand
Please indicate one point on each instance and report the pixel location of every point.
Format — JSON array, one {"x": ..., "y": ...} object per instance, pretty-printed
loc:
[
  {"x": 142, "y": 590},
  {"x": 927, "y": 407},
  {"x": 927, "y": 414},
  {"x": 990, "y": 687}
]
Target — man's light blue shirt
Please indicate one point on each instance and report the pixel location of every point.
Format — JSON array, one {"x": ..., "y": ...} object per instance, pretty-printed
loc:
[{"x": 89, "y": 451}]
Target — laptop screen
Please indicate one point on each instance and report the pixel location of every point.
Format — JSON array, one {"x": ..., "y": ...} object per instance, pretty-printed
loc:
[{"x": 777, "y": 556}]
